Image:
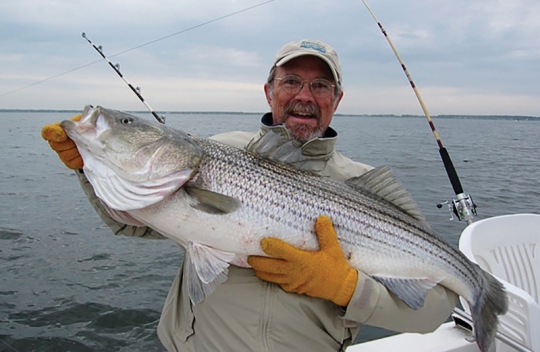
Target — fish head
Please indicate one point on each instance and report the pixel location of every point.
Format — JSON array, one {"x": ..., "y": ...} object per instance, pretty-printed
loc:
[{"x": 115, "y": 144}]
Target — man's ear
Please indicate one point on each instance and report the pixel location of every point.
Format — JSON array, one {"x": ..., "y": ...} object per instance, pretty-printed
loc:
[
  {"x": 337, "y": 100},
  {"x": 268, "y": 92}
]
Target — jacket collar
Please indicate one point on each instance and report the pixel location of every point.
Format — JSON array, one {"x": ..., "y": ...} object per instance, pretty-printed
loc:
[
  {"x": 275, "y": 142},
  {"x": 322, "y": 147}
]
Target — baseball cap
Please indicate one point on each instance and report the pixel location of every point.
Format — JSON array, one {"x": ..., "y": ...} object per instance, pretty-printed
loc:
[{"x": 310, "y": 47}]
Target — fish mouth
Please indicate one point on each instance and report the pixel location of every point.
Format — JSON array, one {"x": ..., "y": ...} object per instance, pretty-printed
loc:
[
  {"x": 93, "y": 119},
  {"x": 87, "y": 130},
  {"x": 90, "y": 115}
]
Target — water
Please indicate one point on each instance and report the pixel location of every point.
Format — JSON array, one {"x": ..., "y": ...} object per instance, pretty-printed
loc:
[{"x": 68, "y": 284}]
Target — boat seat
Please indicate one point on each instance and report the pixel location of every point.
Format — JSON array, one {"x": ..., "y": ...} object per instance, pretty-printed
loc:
[{"x": 508, "y": 247}]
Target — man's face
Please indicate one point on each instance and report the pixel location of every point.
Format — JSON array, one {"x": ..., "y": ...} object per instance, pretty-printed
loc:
[{"x": 305, "y": 115}]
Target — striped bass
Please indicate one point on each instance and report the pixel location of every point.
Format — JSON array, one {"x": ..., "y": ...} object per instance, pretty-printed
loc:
[{"x": 219, "y": 201}]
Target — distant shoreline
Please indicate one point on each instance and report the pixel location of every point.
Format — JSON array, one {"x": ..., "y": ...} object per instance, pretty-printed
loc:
[{"x": 444, "y": 116}]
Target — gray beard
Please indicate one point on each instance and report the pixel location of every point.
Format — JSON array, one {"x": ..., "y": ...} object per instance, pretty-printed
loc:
[{"x": 304, "y": 134}]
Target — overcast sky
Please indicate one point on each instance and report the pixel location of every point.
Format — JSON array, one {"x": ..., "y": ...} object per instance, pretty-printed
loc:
[{"x": 465, "y": 56}]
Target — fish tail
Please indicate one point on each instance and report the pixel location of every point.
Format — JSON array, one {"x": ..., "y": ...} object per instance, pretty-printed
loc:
[{"x": 490, "y": 302}]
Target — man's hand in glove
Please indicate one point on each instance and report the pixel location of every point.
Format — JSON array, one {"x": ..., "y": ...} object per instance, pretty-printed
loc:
[
  {"x": 62, "y": 144},
  {"x": 324, "y": 273}
]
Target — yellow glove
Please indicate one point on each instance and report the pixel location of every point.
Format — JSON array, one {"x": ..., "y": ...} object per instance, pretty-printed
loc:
[
  {"x": 62, "y": 144},
  {"x": 324, "y": 273}
]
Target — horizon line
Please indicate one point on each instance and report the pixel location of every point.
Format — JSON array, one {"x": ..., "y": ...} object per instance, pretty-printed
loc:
[{"x": 261, "y": 113}]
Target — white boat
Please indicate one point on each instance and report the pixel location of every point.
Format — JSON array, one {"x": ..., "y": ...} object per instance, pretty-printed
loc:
[{"x": 508, "y": 247}]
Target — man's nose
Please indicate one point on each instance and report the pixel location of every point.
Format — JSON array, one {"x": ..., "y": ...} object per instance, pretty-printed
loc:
[{"x": 305, "y": 93}]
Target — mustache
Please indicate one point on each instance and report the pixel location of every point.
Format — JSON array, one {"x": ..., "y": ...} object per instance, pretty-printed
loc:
[{"x": 297, "y": 107}]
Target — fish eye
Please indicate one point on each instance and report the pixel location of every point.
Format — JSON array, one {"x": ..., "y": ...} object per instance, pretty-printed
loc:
[{"x": 126, "y": 120}]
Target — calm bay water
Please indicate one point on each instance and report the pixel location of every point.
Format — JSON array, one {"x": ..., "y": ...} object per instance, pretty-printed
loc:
[{"x": 68, "y": 284}]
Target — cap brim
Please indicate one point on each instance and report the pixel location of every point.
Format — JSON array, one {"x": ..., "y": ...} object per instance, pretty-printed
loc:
[{"x": 289, "y": 57}]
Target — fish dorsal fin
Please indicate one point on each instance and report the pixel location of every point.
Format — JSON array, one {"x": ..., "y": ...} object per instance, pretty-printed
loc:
[
  {"x": 206, "y": 268},
  {"x": 382, "y": 182},
  {"x": 212, "y": 202},
  {"x": 412, "y": 291}
]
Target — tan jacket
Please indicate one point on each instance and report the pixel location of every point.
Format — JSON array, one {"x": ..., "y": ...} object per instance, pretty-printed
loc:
[{"x": 248, "y": 314}]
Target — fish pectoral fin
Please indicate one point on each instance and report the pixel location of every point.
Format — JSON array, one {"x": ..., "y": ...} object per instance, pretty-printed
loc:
[
  {"x": 206, "y": 268},
  {"x": 382, "y": 182},
  {"x": 212, "y": 202},
  {"x": 412, "y": 291}
]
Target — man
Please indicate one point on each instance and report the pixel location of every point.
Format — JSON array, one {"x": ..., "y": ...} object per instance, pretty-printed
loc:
[{"x": 306, "y": 300}]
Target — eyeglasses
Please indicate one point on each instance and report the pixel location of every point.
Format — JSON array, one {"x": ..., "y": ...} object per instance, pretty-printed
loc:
[{"x": 319, "y": 87}]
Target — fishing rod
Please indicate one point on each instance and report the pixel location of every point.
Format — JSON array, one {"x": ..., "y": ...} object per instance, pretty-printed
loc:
[
  {"x": 463, "y": 206},
  {"x": 116, "y": 68},
  {"x": 142, "y": 45}
]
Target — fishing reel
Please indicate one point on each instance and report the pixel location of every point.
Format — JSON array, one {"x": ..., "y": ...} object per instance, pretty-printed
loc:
[{"x": 463, "y": 207}]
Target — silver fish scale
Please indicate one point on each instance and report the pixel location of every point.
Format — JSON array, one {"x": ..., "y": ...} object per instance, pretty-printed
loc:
[{"x": 364, "y": 222}]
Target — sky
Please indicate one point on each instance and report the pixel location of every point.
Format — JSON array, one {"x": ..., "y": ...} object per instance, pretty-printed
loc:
[{"x": 466, "y": 57}]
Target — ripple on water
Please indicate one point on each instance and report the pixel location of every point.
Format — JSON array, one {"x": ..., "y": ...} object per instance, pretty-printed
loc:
[
  {"x": 10, "y": 234},
  {"x": 94, "y": 314},
  {"x": 82, "y": 327},
  {"x": 42, "y": 344}
]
